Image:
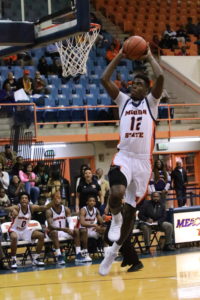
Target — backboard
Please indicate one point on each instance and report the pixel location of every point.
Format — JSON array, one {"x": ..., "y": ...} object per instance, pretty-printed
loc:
[{"x": 18, "y": 36}]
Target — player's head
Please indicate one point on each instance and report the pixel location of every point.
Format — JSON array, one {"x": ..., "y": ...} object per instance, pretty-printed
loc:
[
  {"x": 91, "y": 201},
  {"x": 140, "y": 87},
  {"x": 56, "y": 197},
  {"x": 24, "y": 198},
  {"x": 155, "y": 196}
]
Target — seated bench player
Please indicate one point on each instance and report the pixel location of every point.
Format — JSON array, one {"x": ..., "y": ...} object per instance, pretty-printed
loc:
[
  {"x": 91, "y": 224},
  {"x": 19, "y": 228},
  {"x": 57, "y": 217}
]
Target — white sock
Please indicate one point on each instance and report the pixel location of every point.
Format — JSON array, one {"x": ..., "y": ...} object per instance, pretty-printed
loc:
[
  {"x": 58, "y": 252},
  {"x": 78, "y": 250},
  {"x": 115, "y": 247},
  {"x": 14, "y": 257},
  {"x": 35, "y": 256},
  {"x": 117, "y": 218}
]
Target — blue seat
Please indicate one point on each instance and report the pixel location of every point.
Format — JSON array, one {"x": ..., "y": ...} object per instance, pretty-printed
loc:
[
  {"x": 54, "y": 80},
  {"x": 53, "y": 90},
  {"x": 91, "y": 99},
  {"x": 50, "y": 115},
  {"x": 76, "y": 99},
  {"x": 63, "y": 100}
]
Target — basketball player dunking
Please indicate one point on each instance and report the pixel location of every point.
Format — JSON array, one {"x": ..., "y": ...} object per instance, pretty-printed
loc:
[{"x": 131, "y": 167}]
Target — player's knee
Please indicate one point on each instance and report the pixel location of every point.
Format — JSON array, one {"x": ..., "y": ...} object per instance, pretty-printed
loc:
[
  {"x": 116, "y": 196},
  {"x": 40, "y": 236}
]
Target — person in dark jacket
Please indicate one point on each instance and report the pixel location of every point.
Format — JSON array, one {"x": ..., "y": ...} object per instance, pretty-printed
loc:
[
  {"x": 152, "y": 215},
  {"x": 179, "y": 182}
]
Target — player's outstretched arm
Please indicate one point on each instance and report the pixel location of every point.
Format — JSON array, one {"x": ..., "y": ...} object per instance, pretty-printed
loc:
[
  {"x": 106, "y": 81},
  {"x": 157, "y": 88},
  {"x": 41, "y": 207}
]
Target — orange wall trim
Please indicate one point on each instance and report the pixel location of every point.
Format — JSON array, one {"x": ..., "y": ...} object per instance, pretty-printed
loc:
[
  {"x": 79, "y": 138},
  {"x": 180, "y": 133}
]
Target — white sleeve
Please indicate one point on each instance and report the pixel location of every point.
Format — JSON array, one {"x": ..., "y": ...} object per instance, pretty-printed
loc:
[
  {"x": 153, "y": 105},
  {"x": 121, "y": 100},
  {"x": 5, "y": 179}
]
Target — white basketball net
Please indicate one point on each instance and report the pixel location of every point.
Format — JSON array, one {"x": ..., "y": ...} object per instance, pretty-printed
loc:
[{"x": 74, "y": 51}]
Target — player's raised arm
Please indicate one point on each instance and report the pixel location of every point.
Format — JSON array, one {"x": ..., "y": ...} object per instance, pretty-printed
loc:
[
  {"x": 106, "y": 81},
  {"x": 157, "y": 88}
]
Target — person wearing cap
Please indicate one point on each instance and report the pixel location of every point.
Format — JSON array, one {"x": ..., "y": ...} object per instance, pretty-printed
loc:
[
  {"x": 8, "y": 158},
  {"x": 26, "y": 82}
]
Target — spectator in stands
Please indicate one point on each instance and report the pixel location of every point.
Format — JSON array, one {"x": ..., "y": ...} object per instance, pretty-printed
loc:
[
  {"x": 182, "y": 35},
  {"x": 7, "y": 96},
  {"x": 12, "y": 82},
  {"x": 24, "y": 59},
  {"x": 42, "y": 175},
  {"x": 81, "y": 175},
  {"x": 28, "y": 177},
  {"x": 52, "y": 51},
  {"x": 19, "y": 228},
  {"x": 57, "y": 217},
  {"x": 104, "y": 184},
  {"x": 54, "y": 182},
  {"x": 173, "y": 42},
  {"x": 121, "y": 84},
  {"x": 43, "y": 66},
  {"x": 152, "y": 215},
  {"x": 56, "y": 67},
  {"x": 10, "y": 60},
  {"x": 182, "y": 52},
  {"x": 4, "y": 177},
  {"x": 26, "y": 83},
  {"x": 112, "y": 51},
  {"x": 160, "y": 180},
  {"x": 190, "y": 27},
  {"x": 179, "y": 183},
  {"x": 19, "y": 165},
  {"x": 4, "y": 200},
  {"x": 8, "y": 158},
  {"x": 15, "y": 188},
  {"x": 91, "y": 224},
  {"x": 39, "y": 85},
  {"x": 88, "y": 186}
]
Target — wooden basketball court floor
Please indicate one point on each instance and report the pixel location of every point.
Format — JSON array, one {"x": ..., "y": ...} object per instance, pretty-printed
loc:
[{"x": 168, "y": 277}]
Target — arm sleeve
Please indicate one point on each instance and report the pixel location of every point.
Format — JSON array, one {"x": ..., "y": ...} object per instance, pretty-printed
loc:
[
  {"x": 23, "y": 176},
  {"x": 141, "y": 215},
  {"x": 5, "y": 179}
]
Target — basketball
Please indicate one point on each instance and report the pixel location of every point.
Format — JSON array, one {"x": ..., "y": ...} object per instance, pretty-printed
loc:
[{"x": 135, "y": 47}]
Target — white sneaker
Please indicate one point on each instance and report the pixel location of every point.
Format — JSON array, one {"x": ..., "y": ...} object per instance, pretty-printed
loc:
[
  {"x": 37, "y": 262},
  {"x": 87, "y": 257},
  {"x": 14, "y": 264},
  {"x": 106, "y": 263},
  {"x": 115, "y": 229}
]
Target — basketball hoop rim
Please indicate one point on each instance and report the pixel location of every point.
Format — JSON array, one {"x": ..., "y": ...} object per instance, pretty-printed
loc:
[{"x": 94, "y": 26}]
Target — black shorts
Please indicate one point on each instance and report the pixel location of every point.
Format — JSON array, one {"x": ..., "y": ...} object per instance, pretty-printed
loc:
[{"x": 116, "y": 177}]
